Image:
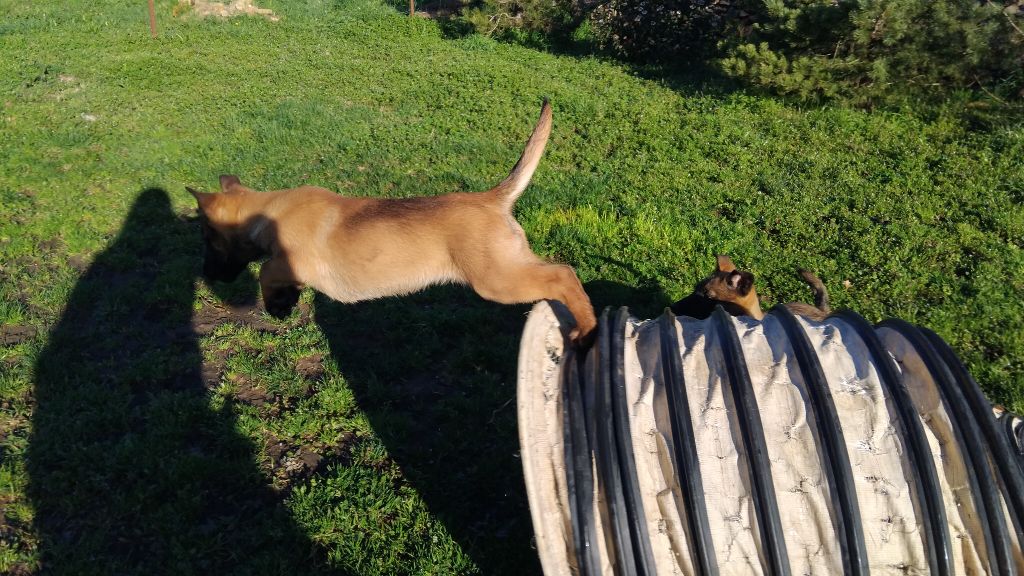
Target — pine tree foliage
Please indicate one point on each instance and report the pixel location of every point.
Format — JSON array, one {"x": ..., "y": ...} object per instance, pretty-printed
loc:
[
  {"x": 871, "y": 49},
  {"x": 859, "y": 50}
]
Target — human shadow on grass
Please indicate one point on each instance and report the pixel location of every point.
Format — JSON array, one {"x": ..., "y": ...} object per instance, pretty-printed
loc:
[
  {"x": 435, "y": 373},
  {"x": 131, "y": 469}
]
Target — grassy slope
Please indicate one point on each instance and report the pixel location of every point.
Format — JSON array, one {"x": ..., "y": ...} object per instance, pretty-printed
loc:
[{"x": 407, "y": 399}]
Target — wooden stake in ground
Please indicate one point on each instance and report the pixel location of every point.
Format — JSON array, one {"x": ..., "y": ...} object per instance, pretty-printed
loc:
[
  {"x": 152, "y": 18},
  {"x": 412, "y": 7}
]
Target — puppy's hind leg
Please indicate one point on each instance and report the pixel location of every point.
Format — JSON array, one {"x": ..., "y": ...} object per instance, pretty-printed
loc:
[
  {"x": 540, "y": 281},
  {"x": 279, "y": 287}
]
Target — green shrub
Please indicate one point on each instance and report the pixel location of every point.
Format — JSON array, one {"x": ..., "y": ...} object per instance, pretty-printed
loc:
[
  {"x": 533, "y": 21},
  {"x": 875, "y": 49},
  {"x": 666, "y": 30},
  {"x": 860, "y": 50}
]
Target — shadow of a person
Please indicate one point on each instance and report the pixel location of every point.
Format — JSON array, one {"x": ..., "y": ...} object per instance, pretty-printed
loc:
[
  {"x": 435, "y": 372},
  {"x": 133, "y": 467}
]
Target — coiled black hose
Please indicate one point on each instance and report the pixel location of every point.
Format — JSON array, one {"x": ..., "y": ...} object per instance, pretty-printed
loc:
[{"x": 598, "y": 438}]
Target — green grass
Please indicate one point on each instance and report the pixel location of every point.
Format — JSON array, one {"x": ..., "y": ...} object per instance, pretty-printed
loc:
[{"x": 380, "y": 437}]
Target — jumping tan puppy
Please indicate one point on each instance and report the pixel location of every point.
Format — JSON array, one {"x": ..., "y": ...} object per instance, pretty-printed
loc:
[
  {"x": 354, "y": 249},
  {"x": 734, "y": 290}
]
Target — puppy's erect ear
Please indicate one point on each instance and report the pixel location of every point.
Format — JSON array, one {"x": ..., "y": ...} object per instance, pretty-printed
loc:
[
  {"x": 203, "y": 198},
  {"x": 725, "y": 264},
  {"x": 741, "y": 282},
  {"x": 227, "y": 181}
]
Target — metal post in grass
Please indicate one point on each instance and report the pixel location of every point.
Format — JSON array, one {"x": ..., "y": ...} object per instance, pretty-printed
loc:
[{"x": 152, "y": 18}]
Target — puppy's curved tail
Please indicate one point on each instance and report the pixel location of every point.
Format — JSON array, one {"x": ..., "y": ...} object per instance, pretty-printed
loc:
[
  {"x": 513, "y": 186},
  {"x": 820, "y": 293}
]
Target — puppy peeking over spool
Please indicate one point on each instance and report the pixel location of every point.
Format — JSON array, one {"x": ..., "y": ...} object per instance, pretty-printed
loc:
[
  {"x": 734, "y": 290},
  {"x": 357, "y": 248}
]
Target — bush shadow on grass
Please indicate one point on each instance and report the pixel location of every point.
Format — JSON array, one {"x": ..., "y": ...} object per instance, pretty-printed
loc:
[
  {"x": 131, "y": 470},
  {"x": 435, "y": 372}
]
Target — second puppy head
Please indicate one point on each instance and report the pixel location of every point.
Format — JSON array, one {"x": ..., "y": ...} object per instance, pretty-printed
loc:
[{"x": 727, "y": 284}]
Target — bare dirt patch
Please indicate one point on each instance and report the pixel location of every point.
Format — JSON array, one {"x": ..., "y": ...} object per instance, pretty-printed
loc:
[
  {"x": 13, "y": 334},
  {"x": 205, "y": 320},
  {"x": 293, "y": 460},
  {"x": 208, "y": 9},
  {"x": 249, "y": 393},
  {"x": 311, "y": 367}
]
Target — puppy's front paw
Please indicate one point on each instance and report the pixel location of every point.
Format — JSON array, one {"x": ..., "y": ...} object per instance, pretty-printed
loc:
[
  {"x": 280, "y": 302},
  {"x": 581, "y": 340}
]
